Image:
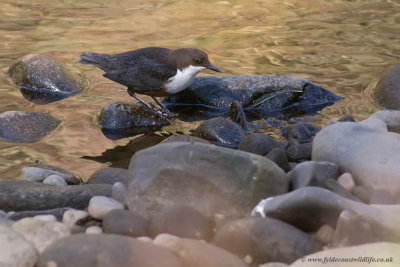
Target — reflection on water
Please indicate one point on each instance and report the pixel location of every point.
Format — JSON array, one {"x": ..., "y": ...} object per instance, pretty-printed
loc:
[{"x": 342, "y": 45}]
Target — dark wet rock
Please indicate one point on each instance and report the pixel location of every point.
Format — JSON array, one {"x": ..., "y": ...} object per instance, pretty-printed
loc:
[
  {"x": 181, "y": 221},
  {"x": 313, "y": 173},
  {"x": 15, "y": 250},
  {"x": 387, "y": 91},
  {"x": 58, "y": 213},
  {"x": 42, "y": 80},
  {"x": 261, "y": 96},
  {"x": 299, "y": 152},
  {"x": 278, "y": 155},
  {"x": 196, "y": 253},
  {"x": 209, "y": 178},
  {"x": 300, "y": 133},
  {"x": 220, "y": 131},
  {"x": 124, "y": 222},
  {"x": 258, "y": 143},
  {"x": 109, "y": 176},
  {"x": 40, "y": 172},
  {"x": 19, "y": 126},
  {"x": 22, "y": 195},
  {"x": 120, "y": 119},
  {"x": 236, "y": 114},
  {"x": 265, "y": 240},
  {"x": 185, "y": 138},
  {"x": 101, "y": 250},
  {"x": 347, "y": 118}
]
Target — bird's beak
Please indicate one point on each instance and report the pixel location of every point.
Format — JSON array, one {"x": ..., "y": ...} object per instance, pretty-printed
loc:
[{"x": 212, "y": 67}]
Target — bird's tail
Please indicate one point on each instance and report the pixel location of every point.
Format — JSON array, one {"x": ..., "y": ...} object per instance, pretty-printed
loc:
[{"x": 99, "y": 60}]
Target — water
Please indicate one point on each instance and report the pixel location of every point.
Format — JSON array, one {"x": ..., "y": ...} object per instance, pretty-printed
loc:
[{"x": 344, "y": 46}]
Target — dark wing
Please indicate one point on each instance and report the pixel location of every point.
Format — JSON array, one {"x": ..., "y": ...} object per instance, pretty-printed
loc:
[{"x": 145, "y": 75}]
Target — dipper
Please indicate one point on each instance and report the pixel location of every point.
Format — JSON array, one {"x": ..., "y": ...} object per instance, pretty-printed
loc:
[{"x": 152, "y": 71}]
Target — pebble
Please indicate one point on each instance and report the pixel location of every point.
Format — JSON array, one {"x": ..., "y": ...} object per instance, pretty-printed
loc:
[
  {"x": 99, "y": 206},
  {"x": 45, "y": 218},
  {"x": 94, "y": 230},
  {"x": 324, "y": 234},
  {"x": 54, "y": 179},
  {"x": 346, "y": 180},
  {"x": 71, "y": 216},
  {"x": 119, "y": 192}
]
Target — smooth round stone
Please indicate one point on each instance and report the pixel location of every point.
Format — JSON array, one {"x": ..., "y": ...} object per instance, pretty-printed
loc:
[
  {"x": 70, "y": 217},
  {"x": 46, "y": 218},
  {"x": 181, "y": 221},
  {"x": 19, "y": 126},
  {"x": 99, "y": 206},
  {"x": 278, "y": 155},
  {"x": 124, "y": 222},
  {"x": 119, "y": 192},
  {"x": 313, "y": 173},
  {"x": 55, "y": 179},
  {"x": 94, "y": 230},
  {"x": 258, "y": 143},
  {"x": 42, "y": 171},
  {"x": 324, "y": 234},
  {"x": 346, "y": 180},
  {"x": 299, "y": 152}
]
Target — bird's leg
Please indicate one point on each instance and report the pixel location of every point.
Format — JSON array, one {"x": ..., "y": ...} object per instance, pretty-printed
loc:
[
  {"x": 153, "y": 109},
  {"x": 169, "y": 113}
]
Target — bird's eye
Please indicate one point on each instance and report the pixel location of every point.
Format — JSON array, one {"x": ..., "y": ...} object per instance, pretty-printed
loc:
[{"x": 197, "y": 61}]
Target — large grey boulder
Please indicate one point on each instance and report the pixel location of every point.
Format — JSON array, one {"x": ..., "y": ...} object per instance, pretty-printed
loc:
[{"x": 211, "y": 179}]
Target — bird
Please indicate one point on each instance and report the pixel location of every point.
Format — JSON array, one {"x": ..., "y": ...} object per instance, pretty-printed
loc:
[{"x": 152, "y": 71}]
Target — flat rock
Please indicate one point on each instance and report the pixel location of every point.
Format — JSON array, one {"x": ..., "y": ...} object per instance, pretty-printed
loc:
[
  {"x": 15, "y": 250},
  {"x": 387, "y": 90},
  {"x": 209, "y": 178},
  {"x": 124, "y": 222},
  {"x": 39, "y": 232},
  {"x": 82, "y": 250},
  {"x": 366, "y": 150},
  {"x": 22, "y": 195},
  {"x": 265, "y": 240},
  {"x": 42, "y": 80},
  {"x": 362, "y": 255},
  {"x": 20, "y": 126},
  {"x": 109, "y": 175},
  {"x": 196, "y": 253}
]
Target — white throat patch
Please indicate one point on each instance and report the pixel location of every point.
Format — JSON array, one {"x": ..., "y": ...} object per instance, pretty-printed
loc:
[{"x": 182, "y": 79}]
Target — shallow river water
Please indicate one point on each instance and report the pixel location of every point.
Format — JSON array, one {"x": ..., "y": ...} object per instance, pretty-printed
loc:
[{"x": 344, "y": 46}]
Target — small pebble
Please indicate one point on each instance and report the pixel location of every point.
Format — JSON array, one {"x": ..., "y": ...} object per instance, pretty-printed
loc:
[
  {"x": 70, "y": 217},
  {"x": 99, "y": 206},
  {"x": 94, "y": 230},
  {"x": 55, "y": 179},
  {"x": 346, "y": 180},
  {"x": 325, "y": 234},
  {"x": 45, "y": 218}
]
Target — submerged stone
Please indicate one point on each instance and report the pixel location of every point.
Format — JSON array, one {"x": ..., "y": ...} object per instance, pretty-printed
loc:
[
  {"x": 260, "y": 96},
  {"x": 19, "y": 126},
  {"x": 120, "y": 119},
  {"x": 42, "y": 80}
]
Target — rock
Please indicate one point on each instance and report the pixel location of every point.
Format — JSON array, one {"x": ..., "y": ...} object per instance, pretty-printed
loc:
[
  {"x": 347, "y": 117},
  {"x": 119, "y": 192},
  {"x": 346, "y": 180},
  {"x": 101, "y": 250},
  {"x": 265, "y": 240},
  {"x": 3, "y": 214},
  {"x": 57, "y": 213},
  {"x": 362, "y": 193},
  {"x": 94, "y": 230},
  {"x": 19, "y": 126},
  {"x": 15, "y": 250},
  {"x": 298, "y": 152},
  {"x": 278, "y": 155},
  {"x": 384, "y": 197},
  {"x": 99, "y": 206},
  {"x": 334, "y": 186},
  {"x": 45, "y": 218},
  {"x": 40, "y": 233},
  {"x": 313, "y": 173},
  {"x": 301, "y": 133},
  {"x": 366, "y": 150},
  {"x": 181, "y": 221},
  {"x": 386, "y": 92},
  {"x": 237, "y": 115},
  {"x": 261, "y": 96},
  {"x": 55, "y": 179},
  {"x": 184, "y": 138},
  {"x": 309, "y": 208},
  {"x": 390, "y": 117},
  {"x": 274, "y": 264},
  {"x": 353, "y": 256},
  {"x": 42, "y": 80},
  {"x": 258, "y": 143},
  {"x": 196, "y": 253},
  {"x": 124, "y": 222},
  {"x": 22, "y": 195},
  {"x": 211, "y": 179},
  {"x": 220, "y": 131},
  {"x": 109, "y": 175},
  {"x": 325, "y": 234},
  {"x": 42, "y": 171},
  {"x": 72, "y": 216},
  {"x": 120, "y": 119}
]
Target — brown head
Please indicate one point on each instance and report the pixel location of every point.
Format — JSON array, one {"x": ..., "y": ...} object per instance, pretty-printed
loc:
[{"x": 184, "y": 57}]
